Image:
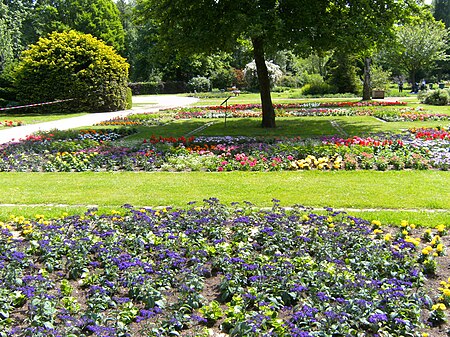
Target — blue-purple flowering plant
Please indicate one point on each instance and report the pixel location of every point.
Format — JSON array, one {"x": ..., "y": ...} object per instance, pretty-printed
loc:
[{"x": 234, "y": 269}]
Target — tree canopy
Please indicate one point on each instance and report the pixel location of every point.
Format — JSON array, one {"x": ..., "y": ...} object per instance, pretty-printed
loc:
[
  {"x": 212, "y": 25},
  {"x": 99, "y": 18},
  {"x": 417, "y": 47},
  {"x": 28, "y": 20}
]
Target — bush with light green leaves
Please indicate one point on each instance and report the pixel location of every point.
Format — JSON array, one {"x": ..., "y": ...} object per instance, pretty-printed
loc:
[{"x": 72, "y": 65}]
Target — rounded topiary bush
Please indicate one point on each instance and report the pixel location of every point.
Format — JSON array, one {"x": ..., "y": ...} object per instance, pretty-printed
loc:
[{"x": 72, "y": 65}]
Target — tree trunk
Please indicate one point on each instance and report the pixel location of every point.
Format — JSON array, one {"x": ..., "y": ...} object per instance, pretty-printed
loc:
[
  {"x": 268, "y": 113},
  {"x": 366, "y": 83},
  {"x": 412, "y": 76}
]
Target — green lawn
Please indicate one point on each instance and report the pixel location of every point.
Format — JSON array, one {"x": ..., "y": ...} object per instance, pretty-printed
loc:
[
  {"x": 422, "y": 197},
  {"x": 361, "y": 190},
  {"x": 33, "y": 118},
  {"x": 303, "y": 127}
]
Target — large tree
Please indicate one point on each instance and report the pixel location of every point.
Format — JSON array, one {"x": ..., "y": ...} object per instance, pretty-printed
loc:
[{"x": 211, "y": 25}]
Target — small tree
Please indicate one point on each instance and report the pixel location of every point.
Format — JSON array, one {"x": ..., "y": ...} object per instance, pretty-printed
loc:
[
  {"x": 417, "y": 47},
  {"x": 72, "y": 65},
  {"x": 380, "y": 78}
]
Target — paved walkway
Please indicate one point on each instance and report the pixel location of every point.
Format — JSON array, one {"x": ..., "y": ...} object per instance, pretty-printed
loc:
[{"x": 144, "y": 104}]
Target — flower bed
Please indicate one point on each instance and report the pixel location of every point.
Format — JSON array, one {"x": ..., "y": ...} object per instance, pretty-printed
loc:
[
  {"x": 196, "y": 271},
  {"x": 141, "y": 119},
  {"x": 409, "y": 115},
  {"x": 282, "y": 110},
  {"x": 95, "y": 151},
  {"x": 11, "y": 123}
]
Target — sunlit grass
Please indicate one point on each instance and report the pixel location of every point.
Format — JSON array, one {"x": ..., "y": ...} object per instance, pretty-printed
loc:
[
  {"x": 410, "y": 190},
  {"x": 33, "y": 118}
]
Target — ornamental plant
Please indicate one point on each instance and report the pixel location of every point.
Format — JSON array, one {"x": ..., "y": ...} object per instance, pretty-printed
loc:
[
  {"x": 234, "y": 269},
  {"x": 97, "y": 150},
  {"x": 75, "y": 66}
]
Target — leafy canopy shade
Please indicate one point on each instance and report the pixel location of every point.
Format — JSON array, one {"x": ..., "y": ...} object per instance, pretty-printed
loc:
[
  {"x": 73, "y": 65},
  {"x": 212, "y": 25}
]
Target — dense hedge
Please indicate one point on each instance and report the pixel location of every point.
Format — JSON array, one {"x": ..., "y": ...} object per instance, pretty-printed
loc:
[
  {"x": 72, "y": 65},
  {"x": 150, "y": 88}
]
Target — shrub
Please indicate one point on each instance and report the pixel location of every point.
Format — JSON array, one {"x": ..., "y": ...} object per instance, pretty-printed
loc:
[
  {"x": 435, "y": 97},
  {"x": 317, "y": 86},
  {"x": 290, "y": 81},
  {"x": 146, "y": 88},
  {"x": 199, "y": 84},
  {"x": 174, "y": 87},
  {"x": 380, "y": 78},
  {"x": 223, "y": 78},
  {"x": 72, "y": 65}
]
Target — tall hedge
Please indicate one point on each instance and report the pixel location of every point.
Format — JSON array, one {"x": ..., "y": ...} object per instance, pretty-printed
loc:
[{"x": 72, "y": 65}]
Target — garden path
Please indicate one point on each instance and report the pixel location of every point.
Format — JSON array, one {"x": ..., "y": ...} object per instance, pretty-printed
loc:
[{"x": 150, "y": 103}]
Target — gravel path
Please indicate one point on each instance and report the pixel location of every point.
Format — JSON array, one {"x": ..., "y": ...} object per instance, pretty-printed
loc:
[{"x": 145, "y": 104}]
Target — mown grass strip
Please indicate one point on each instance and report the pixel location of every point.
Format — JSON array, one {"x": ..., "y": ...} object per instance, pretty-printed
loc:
[{"x": 340, "y": 189}]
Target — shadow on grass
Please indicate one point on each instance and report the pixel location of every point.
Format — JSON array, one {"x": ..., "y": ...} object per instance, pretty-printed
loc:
[{"x": 304, "y": 127}]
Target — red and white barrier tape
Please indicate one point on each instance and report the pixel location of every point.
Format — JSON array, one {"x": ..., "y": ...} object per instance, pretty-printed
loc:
[{"x": 36, "y": 104}]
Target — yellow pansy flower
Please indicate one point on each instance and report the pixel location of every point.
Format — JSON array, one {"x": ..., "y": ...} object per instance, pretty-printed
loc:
[
  {"x": 376, "y": 223},
  {"x": 427, "y": 250},
  {"x": 439, "y": 306}
]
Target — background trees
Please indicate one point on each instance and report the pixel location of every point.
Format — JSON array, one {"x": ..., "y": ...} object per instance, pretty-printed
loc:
[
  {"x": 441, "y": 11},
  {"x": 99, "y": 18},
  {"x": 416, "y": 47}
]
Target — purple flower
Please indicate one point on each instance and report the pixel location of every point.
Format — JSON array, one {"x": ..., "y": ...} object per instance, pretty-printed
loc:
[
  {"x": 299, "y": 288},
  {"x": 376, "y": 318}
]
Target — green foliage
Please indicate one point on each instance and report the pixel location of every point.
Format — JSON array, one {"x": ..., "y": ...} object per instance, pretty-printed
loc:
[
  {"x": 7, "y": 90},
  {"x": 417, "y": 47},
  {"x": 290, "y": 81},
  {"x": 99, "y": 18},
  {"x": 380, "y": 78},
  {"x": 315, "y": 85},
  {"x": 12, "y": 16},
  {"x": 199, "y": 84},
  {"x": 317, "y": 88},
  {"x": 129, "y": 98},
  {"x": 435, "y": 97},
  {"x": 146, "y": 88},
  {"x": 343, "y": 73},
  {"x": 223, "y": 78},
  {"x": 441, "y": 11},
  {"x": 72, "y": 65}
]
